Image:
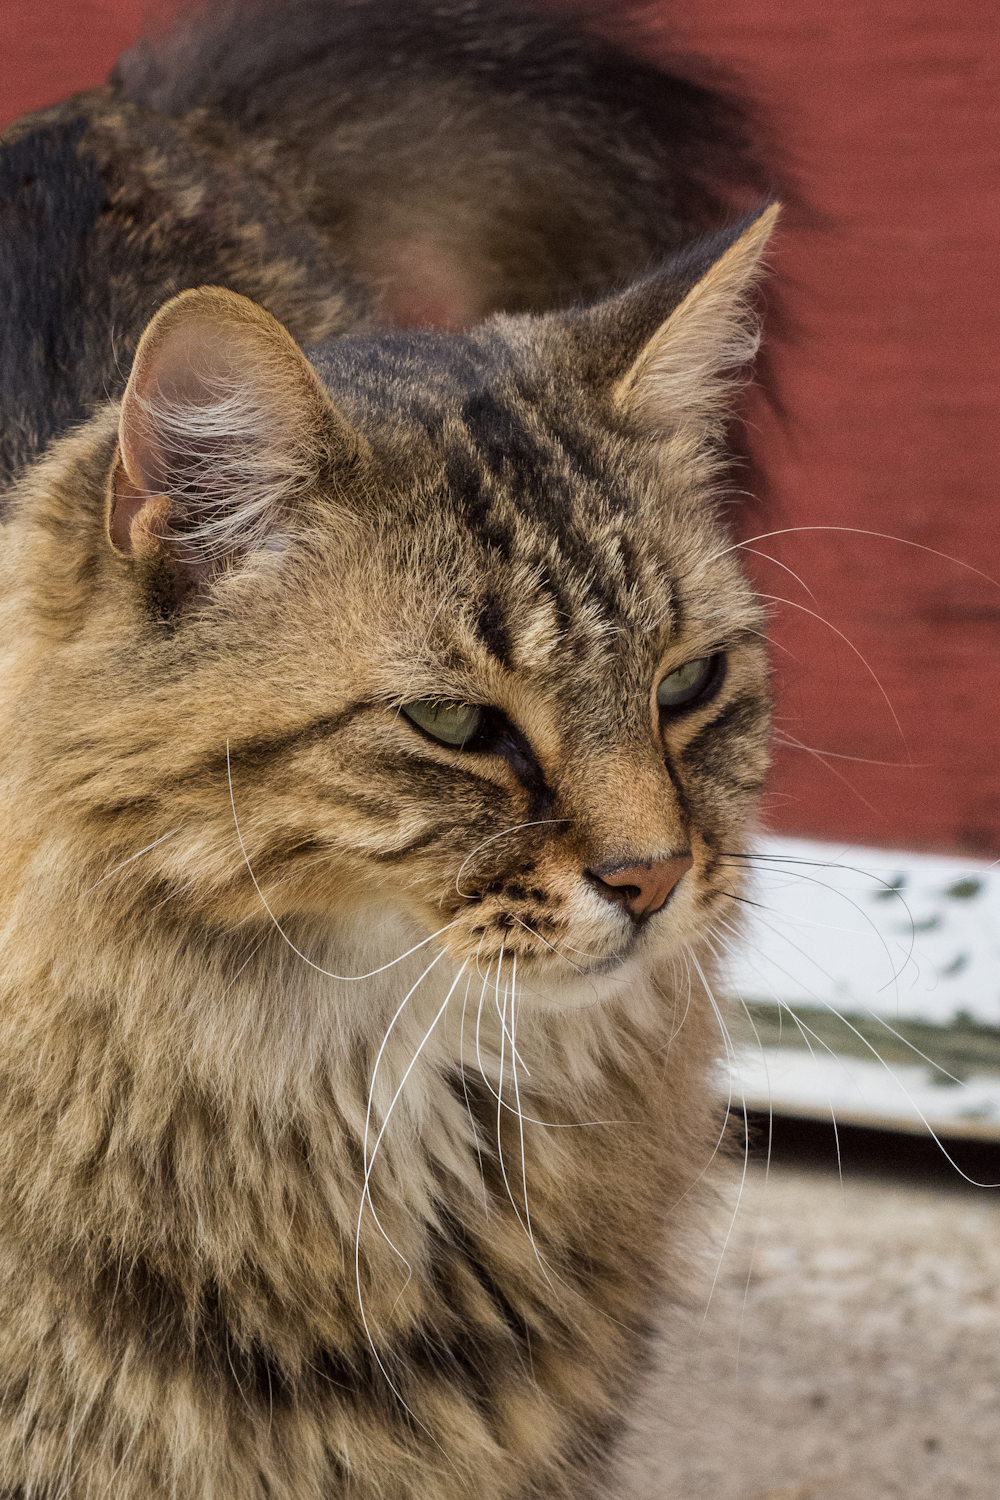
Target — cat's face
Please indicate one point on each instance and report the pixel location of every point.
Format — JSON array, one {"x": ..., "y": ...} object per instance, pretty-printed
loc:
[
  {"x": 450, "y": 631},
  {"x": 557, "y": 674}
]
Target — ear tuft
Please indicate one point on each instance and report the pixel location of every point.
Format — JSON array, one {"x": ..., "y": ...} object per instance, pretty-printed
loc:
[
  {"x": 683, "y": 376},
  {"x": 223, "y": 426}
]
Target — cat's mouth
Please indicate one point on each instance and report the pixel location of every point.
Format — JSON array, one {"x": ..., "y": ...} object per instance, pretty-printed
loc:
[{"x": 580, "y": 944}]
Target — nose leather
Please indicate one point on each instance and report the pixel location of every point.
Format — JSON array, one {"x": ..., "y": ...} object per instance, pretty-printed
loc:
[{"x": 642, "y": 888}]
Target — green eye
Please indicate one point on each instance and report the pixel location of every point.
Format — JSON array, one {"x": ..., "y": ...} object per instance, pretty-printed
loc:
[
  {"x": 451, "y": 723},
  {"x": 687, "y": 683}
]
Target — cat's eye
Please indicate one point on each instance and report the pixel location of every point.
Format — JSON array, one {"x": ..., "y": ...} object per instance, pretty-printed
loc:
[
  {"x": 451, "y": 723},
  {"x": 684, "y": 686}
]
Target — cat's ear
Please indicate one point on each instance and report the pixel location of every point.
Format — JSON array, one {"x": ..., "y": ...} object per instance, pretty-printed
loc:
[
  {"x": 223, "y": 426},
  {"x": 666, "y": 350}
]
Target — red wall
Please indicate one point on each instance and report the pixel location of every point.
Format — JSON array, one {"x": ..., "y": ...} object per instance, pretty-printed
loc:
[{"x": 888, "y": 656}]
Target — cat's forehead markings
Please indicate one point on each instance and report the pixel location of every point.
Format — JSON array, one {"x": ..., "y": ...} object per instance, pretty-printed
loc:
[
  {"x": 492, "y": 627},
  {"x": 526, "y": 480},
  {"x": 538, "y": 635}
]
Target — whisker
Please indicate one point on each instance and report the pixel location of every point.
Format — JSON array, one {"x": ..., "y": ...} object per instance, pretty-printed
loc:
[
  {"x": 878, "y": 880},
  {"x": 503, "y": 1167},
  {"x": 504, "y": 832},
  {"x": 686, "y": 955},
  {"x": 479, "y": 1018},
  {"x": 550, "y": 946},
  {"x": 803, "y": 1030},
  {"x": 305, "y": 959},
  {"x": 731, "y": 1053},
  {"x": 530, "y": 1119},
  {"x": 884, "y": 536},
  {"x": 368, "y": 1109},
  {"x": 778, "y": 564},
  {"x": 369, "y": 1165},
  {"x": 894, "y": 1076},
  {"x": 503, "y": 1022},
  {"x": 791, "y": 743},
  {"x": 746, "y": 1149},
  {"x": 520, "y": 1123},
  {"x": 138, "y": 855},
  {"x": 468, "y": 1102},
  {"x": 249, "y": 959},
  {"x": 677, "y": 1029},
  {"x": 818, "y": 755},
  {"x": 792, "y": 604},
  {"x": 873, "y": 1015}
]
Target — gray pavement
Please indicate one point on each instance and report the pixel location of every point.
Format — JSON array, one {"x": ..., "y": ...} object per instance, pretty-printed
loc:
[{"x": 850, "y": 1350}]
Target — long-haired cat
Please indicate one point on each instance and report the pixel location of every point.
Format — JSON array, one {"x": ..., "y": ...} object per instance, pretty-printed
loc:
[{"x": 375, "y": 722}]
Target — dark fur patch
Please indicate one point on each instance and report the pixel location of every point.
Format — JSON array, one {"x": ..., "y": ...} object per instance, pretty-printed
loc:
[
  {"x": 260, "y": 752},
  {"x": 717, "y": 750},
  {"x": 50, "y": 198},
  {"x": 492, "y": 628},
  {"x": 504, "y": 444},
  {"x": 468, "y": 484}
]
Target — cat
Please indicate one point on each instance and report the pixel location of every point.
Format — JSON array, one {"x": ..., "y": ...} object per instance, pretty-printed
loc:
[{"x": 376, "y": 720}]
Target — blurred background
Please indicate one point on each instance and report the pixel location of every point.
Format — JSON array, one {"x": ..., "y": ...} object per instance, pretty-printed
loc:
[{"x": 866, "y": 1283}]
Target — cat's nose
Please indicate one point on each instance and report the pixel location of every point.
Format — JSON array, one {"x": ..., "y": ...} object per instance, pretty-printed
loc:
[{"x": 641, "y": 889}]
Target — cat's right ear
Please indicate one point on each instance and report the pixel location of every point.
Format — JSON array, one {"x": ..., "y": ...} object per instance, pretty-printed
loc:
[
  {"x": 666, "y": 350},
  {"x": 224, "y": 426}
]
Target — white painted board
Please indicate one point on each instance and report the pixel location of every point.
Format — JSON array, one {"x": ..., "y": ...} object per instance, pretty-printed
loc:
[{"x": 890, "y": 936}]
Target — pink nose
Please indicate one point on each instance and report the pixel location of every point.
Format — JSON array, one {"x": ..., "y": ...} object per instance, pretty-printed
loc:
[{"x": 642, "y": 889}]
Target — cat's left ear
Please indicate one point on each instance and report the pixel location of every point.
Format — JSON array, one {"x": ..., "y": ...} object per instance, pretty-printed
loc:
[
  {"x": 224, "y": 425},
  {"x": 667, "y": 349}
]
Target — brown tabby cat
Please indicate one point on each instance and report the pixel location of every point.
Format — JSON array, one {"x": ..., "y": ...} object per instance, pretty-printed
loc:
[{"x": 373, "y": 728}]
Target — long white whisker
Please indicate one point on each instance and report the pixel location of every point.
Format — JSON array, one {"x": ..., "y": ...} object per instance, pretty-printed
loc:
[
  {"x": 805, "y": 1032},
  {"x": 525, "y": 1222},
  {"x": 503, "y": 1169},
  {"x": 548, "y": 1124},
  {"x": 858, "y": 531},
  {"x": 399, "y": 1011},
  {"x": 503, "y": 1022},
  {"x": 520, "y": 1120},
  {"x": 304, "y": 957},
  {"x": 790, "y": 742},
  {"x": 814, "y": 880},
  {"x": 731, "y": 1053},
  {"x": 504, "y": 832},
  {"x": 872, "y": 1015},
  {"x": 895, "y": 1076},
  {"x": 479, "y": 1019},
  {"x": 371, "y": 1092},
  {"x": 684, "y": 953},
  {"x": 468, "y": 1102},
  {"x": 778, "y": 564},
  {"x": 138, "y": 855},
  {"x": 366, "y": 1189},
  {"x": 767, "y": 1163},
  {"x": 792, "y": 604}
]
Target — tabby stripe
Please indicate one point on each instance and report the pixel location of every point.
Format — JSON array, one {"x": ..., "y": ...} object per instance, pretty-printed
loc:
[
  {"x": 258, "y": 752},
  {"x": 739, "y": 714}
]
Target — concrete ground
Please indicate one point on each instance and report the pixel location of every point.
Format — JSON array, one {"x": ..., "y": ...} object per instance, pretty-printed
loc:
[{"x": 850, "y": 1351}]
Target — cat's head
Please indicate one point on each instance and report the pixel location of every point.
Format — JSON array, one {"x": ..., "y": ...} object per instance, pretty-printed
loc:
[{"x": 441, "y": 625}]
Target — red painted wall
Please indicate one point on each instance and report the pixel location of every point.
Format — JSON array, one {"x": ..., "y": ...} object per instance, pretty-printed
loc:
[{"x": 888, "y": 656}]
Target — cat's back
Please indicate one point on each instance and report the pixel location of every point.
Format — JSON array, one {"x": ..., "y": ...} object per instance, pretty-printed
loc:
[
  {"x": 468, "y": 157},
  {"x": 107, "y": 209},
  {"x": 418, "y": 163}
]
